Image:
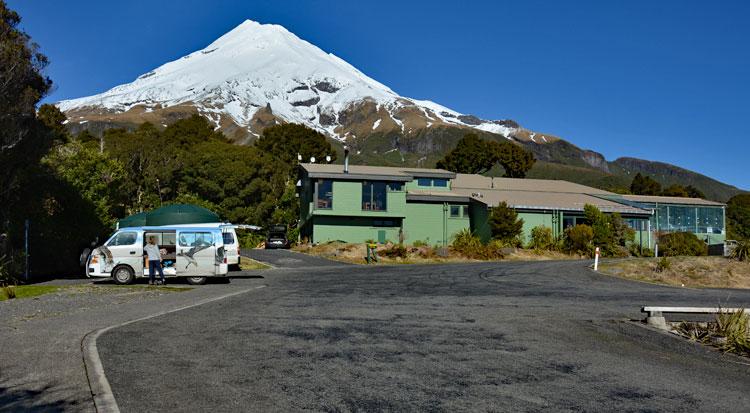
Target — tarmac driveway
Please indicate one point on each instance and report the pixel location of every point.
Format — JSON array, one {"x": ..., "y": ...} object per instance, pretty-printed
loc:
[
  {"x": 481, "y": 337},
  {"x": 281, "y": 258}
]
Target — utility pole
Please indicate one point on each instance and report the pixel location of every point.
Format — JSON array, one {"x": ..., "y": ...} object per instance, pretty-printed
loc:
[{"x": 158, "y": 187}]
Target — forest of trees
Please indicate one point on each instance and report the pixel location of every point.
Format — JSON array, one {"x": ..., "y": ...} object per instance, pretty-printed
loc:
[
  {"x": 474, "y": 155},
  {"x": 645, "y": 185},
  {"x": 86, "y": 183}
]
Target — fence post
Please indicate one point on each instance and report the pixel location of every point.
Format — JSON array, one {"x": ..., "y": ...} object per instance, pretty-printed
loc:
[{"x": 596, "y": 259}]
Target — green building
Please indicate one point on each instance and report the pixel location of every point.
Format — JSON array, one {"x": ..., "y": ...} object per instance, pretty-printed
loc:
[{"x": 432, "y": 205}]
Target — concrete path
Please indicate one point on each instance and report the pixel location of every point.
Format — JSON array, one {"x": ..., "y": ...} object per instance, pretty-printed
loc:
[
  {"x": 290, "y": 259},
  {"x": 41, "y": 367},
  {"x": 549, "y": 336}
]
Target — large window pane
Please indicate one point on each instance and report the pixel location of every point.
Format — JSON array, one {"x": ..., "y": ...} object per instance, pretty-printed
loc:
[
  {"x": 123, "y": 238},
  {"x": 710, "y": 220},
  {"x": 424, "y": 182},
  {"x": 440, "y": 183},
  {"x": 193, "y": 239},
  {"x": 379, "y": 198},
  {"x": 325, "y": 194},
  {"x": 374, "y": 196},
  {"x": 681, "y": 218}
]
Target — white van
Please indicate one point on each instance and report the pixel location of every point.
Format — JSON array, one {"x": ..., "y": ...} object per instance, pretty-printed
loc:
[
  {"x": 231, "y": 242},
  {"x": 187, "y": 251}
]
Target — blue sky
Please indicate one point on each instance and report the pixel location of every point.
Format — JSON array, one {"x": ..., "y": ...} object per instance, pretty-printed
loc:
[{"x": 659, "y": 80}]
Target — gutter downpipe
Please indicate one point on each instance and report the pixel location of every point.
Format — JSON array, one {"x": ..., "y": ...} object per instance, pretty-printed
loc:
[
  {"x": 445, "y": 225},
  {"x": 346, "y": 159}
]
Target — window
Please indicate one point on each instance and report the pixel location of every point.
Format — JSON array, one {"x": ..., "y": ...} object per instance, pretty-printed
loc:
[
  {"x": 374, "y": 196},
  {"x": 569, "y": 222},
  {"x": 162, "y": 238},
  {"x": 123, "y": 238},
  {"x": 228, "y": 238},
  {"x": 442, "y": 183},
  {"x": 637, "y": 224},
  {"x": 395, "y": 186},
  {"x": 325, "y": 194},
  {"x": 455, "y": 211},
  {"x": 466, "y": 211},
  {"x": 424, "y": 182},
  {"x": 193, "y": 239}
]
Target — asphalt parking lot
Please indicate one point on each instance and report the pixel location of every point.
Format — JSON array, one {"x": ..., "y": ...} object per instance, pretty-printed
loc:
[
  {"x": 282, "y": 258},
  {"x": 476, "y": 337}
]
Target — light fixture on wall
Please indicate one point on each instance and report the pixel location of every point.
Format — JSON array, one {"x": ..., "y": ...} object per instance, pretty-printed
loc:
[
  {"x": 328, "y": 158},
  {"x": 299, "y": 157},
  {"x": 312, "y": 159}
]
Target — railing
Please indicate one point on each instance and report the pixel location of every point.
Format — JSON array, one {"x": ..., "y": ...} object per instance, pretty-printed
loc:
[{"x": 656, "y": 318}]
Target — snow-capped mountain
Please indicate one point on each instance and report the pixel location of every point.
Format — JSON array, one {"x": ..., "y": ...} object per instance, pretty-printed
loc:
[{"x": 260, "y": 74}]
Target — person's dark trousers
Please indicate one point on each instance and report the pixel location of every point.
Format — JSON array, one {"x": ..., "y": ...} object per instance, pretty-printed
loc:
[{"x": 152, "y": 267}]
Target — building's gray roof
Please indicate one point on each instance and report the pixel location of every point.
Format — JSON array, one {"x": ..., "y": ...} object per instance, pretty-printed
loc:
[
  {"x": 670, "y": 200},
  {"x": 564, "y": 201},
  {"x": 437, "y": 196},
  {"x": 335, "y": 171},
  {"x": 516, "y": 184}
]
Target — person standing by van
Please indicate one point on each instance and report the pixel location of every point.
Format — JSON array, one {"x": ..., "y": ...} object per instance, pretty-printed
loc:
[{"x": 154, "y": 261}]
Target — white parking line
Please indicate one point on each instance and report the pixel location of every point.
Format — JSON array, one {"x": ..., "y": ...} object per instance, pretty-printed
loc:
[{"x": 104, "y": 400}]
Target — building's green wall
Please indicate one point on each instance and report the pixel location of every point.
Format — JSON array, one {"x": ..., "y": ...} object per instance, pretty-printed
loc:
[
  {"x": 351, "y": 229},
  {"x": 535, "y": 219},
  {"x": 480, "y": 213},
  {"x": 430, "y": 222},
  {"x": 347, "y": 201},
  {"x": 479, "y": 226}
]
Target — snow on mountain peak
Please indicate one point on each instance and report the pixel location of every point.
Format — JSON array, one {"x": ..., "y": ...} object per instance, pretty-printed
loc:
[{"x": 255, "y": 66}]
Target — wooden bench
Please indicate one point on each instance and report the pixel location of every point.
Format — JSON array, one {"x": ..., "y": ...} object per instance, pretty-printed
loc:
[{"x": 656, "y": 318}]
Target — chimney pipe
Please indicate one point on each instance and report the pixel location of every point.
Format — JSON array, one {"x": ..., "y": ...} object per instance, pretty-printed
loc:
[{"x": 346, "y": 159}]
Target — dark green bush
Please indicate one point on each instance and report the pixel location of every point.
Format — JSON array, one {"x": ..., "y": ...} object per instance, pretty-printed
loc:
[
  {"x": 578, "y": 239},
  {"x": 681, "y": 243},
  {"x": 541, "y": 238},
  {"x": 395, "y": 251},
  {"x": 638, "y": 251},
  {"x": 741, "y": 251},
  {"x": 663, "y": 264},
  {"x": 470, "y": 245},
  {"x": 504, "y": 223}
]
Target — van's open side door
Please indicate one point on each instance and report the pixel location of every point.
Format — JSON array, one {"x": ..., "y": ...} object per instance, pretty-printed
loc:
[{"x": 196, "y": 252}]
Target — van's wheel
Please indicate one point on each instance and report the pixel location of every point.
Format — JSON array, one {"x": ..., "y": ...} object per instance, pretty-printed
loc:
[
  {"x": 123, "y": 275},
  {"x": 196, "y": 280}
]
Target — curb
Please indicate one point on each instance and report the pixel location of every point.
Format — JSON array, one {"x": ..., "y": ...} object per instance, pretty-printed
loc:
[{"x": 101, "y": 392}]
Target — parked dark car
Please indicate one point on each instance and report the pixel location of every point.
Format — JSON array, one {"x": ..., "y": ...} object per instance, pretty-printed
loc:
[{"x": 277, "y": 237}]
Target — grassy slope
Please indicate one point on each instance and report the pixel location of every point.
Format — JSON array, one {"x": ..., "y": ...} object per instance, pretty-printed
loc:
[{"x": 697, "y": 272}]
